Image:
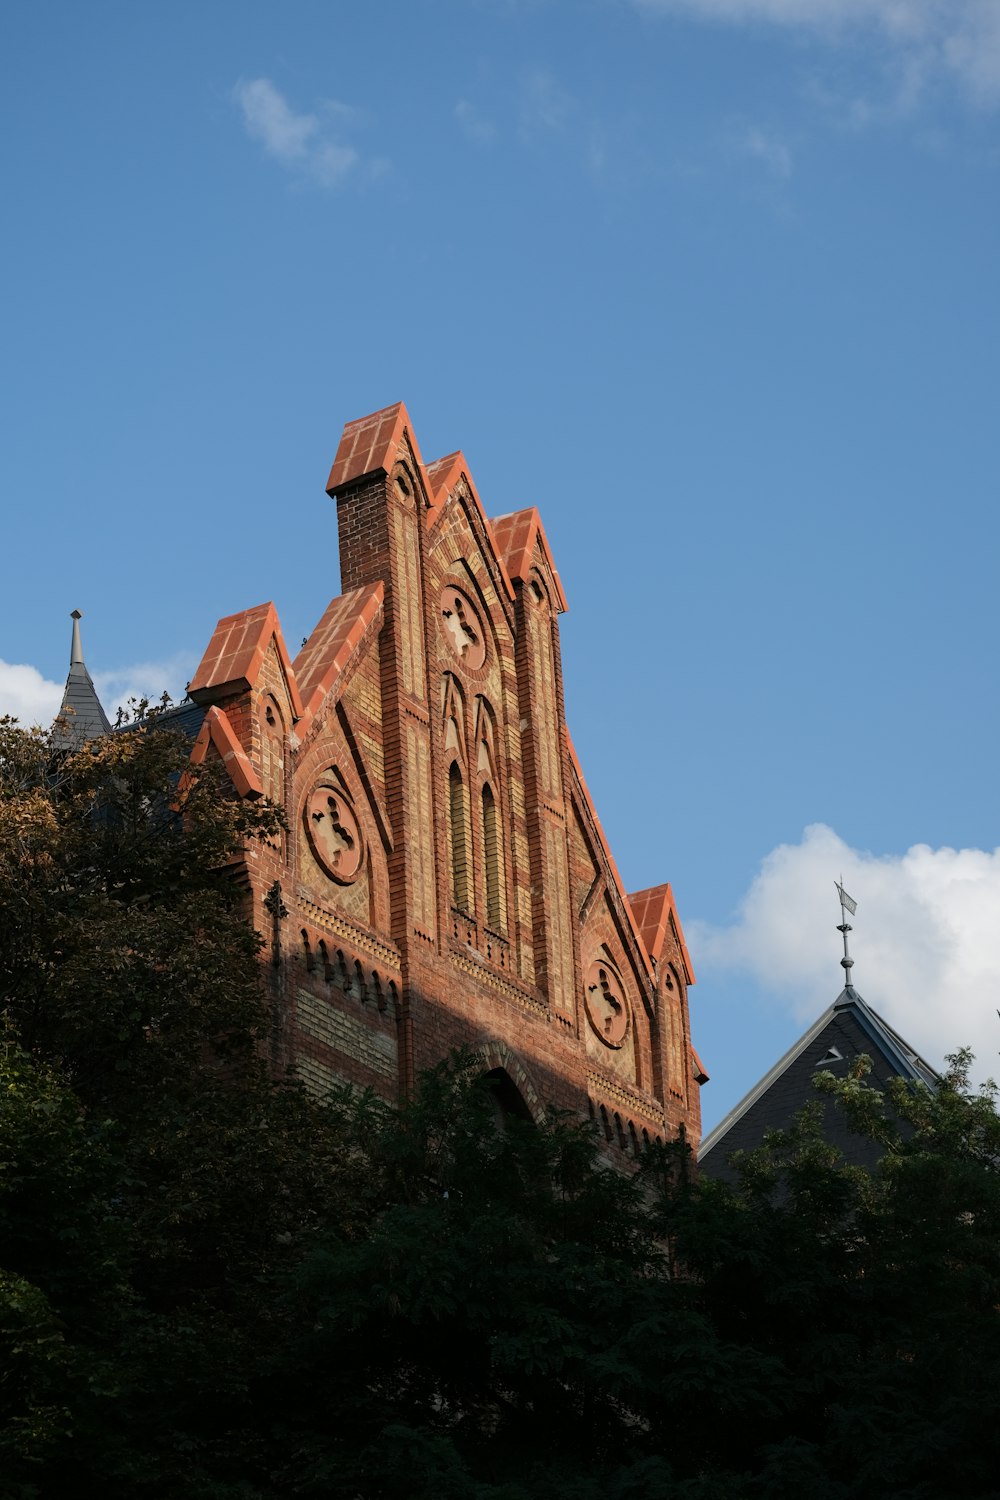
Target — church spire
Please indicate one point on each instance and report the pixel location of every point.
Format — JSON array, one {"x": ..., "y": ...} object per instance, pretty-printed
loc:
[
  {"x": 76, "y": 650},
  {"x": 81, "y": 717}
]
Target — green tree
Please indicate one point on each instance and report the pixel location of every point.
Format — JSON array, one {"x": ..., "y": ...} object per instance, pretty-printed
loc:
[
  {"x": 213, "y": 1287},
  {"x": 184, "y": 1174}
]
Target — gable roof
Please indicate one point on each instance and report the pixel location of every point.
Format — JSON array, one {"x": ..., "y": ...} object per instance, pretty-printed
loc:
[{"x": 897, "y": 1056}]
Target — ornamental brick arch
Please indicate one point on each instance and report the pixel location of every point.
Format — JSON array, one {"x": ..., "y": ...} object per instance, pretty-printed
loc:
[
  {"x": 497, "y": 1057},
  {"x": 343, "y": 866}
]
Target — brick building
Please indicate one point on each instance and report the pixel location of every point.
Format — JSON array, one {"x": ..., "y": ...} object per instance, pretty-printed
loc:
[{"x": 444, "y": 879}]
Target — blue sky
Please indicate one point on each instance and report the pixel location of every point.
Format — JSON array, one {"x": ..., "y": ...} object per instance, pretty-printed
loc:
[{"x": 712, "y": 282}]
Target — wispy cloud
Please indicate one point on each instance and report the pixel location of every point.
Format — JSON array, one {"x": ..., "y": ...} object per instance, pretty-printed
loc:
[
  {"x": 926, "y": 942},
  {"x": 475, "y": 125},
  {"x": 304, "y": 143},
  {"x": 545, "y": 107},
  {"x": 960, "y": 38},
  {"x": 766, "y": 147}
]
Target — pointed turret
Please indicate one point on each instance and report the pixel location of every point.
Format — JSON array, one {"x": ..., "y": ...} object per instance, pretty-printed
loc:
[{"x": 81, "y": 717}]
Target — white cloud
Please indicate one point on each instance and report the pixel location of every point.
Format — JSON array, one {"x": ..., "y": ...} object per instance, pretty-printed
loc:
[
  {"x": 926, "y": 942},
  {"x": 960, "y": 37},
  {"x": 302, "y": 143},
  {"x": 147, "y": 679},
  {"x": 766, "y": 147},
  {"x": 33, "y": 699},
  {"x": 27, "y": 695},
  {"x": 475, "y": 125}
]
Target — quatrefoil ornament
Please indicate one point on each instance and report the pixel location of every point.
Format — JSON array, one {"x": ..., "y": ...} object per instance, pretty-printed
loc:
[
  {"x": 607, "y": 1008},
  {"x": 463, "y": 628},
  {"x": 333, "y": 832}
]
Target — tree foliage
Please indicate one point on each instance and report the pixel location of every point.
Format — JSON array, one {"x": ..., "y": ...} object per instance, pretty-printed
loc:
[{"x": 212, "y": 1286}]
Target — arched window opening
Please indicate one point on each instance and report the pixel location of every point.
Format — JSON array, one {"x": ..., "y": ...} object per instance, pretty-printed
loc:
[
  {"x": 492, "y": 853},
  {"x": 458, "y": 838},
  {"x": 307, "y": 950},
  {"x": 605, "y": 1123},
  {"x": 508, "y": 1101}
]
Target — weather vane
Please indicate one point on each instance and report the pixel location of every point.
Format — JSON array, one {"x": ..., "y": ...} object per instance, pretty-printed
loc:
[{"x": 846, "y": 905}]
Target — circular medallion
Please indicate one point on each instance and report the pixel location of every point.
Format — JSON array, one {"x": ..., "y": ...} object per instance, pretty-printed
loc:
[
  {"x": 463, "y": 628},
  {"x": 607, "y": 1008},
  {"x": 333, "y": 832}
]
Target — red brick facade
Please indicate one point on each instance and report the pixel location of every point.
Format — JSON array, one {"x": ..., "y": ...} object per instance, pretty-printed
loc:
[{"x": 444, "y": 879}]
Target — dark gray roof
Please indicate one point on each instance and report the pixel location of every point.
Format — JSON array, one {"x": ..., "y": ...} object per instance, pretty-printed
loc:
[
  {"x": 186, "y": 716},
  {"x": 81, "y": 717},
  {"x": 850, "y": 1026}
]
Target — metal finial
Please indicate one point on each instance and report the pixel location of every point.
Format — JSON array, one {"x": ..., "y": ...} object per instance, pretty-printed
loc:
[
  {"x": 76, "y": 652},
  {"x": 846, "y": 905}
]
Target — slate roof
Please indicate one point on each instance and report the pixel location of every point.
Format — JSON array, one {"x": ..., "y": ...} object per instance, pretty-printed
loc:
[
  {"x": 186, "y": 716},
  {"x": 81, "y": 716},
  {"x": 850, "y": 1026}
]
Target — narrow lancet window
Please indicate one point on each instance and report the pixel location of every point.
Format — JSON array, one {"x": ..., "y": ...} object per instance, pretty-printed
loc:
[
  {"x": 493, "y": 855},
  {"x": 458, "y": 834}
]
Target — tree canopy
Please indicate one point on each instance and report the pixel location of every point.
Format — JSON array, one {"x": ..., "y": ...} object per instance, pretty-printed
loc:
[{"x": 214, "y": 1286}]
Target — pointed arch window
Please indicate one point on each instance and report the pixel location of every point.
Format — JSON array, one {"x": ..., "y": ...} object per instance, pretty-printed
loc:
[
  {"x": 493, "y": 858},
  {"x": 460, "y": 844}
]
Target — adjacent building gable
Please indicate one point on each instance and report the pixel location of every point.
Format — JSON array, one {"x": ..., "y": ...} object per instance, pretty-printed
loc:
[{"x": 849, "y": 1028}]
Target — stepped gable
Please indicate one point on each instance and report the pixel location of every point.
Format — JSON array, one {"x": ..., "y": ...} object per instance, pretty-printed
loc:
[{"x": 442, "y": 879}]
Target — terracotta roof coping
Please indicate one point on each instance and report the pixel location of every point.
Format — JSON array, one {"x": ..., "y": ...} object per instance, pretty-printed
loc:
[
  {"x": 629, "y": 914},
  {"x": 235, "y": 655},
  {"x": 369, "y": 445},
  {"x": 517, "y": 534},
  {"x": 443, "y": 475},
  {"x": 346, "y": 622},
  {"x": 653, "y": 909},
  {"x": 216, "y": 730}
]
